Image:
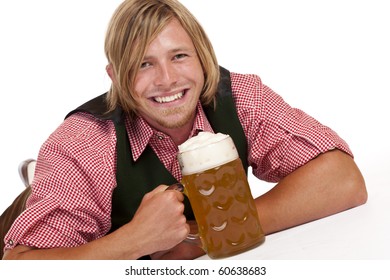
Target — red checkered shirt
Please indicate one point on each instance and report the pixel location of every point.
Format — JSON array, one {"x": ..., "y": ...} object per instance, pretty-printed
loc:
[{"x": 70, "y": 202}]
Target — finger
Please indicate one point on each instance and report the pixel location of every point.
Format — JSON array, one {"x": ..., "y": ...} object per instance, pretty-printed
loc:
[{"x": 176, "y": 188}]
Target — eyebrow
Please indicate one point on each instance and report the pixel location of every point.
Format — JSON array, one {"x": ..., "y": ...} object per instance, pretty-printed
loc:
[
  {"x": 182, "y": 49},
  {"x": 175, "y": 50}
]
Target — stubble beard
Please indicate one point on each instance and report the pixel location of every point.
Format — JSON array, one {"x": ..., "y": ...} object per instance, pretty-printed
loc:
[{"x": 184, "y": 117}]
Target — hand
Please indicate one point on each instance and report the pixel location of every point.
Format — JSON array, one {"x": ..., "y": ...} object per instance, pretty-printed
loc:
[{"x": 159, "y": 223}]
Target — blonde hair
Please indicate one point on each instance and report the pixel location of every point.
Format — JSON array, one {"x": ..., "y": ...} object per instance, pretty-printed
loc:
[{"x": 133, "y": 26}]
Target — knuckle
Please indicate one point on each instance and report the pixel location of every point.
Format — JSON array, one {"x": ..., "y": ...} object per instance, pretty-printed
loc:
[{"x": 180, "y": 208}]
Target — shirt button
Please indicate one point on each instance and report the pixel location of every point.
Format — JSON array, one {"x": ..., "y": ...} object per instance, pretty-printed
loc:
[
  {"x": 10, "y": 242},
  {"x": 160, "y": 137}
]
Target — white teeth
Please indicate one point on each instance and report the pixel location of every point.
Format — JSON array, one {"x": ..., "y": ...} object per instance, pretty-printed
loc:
[{"x": 171, "y": 98}]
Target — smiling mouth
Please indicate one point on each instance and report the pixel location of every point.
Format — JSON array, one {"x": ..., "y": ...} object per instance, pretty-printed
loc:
[{"x": 167, "y": 99}]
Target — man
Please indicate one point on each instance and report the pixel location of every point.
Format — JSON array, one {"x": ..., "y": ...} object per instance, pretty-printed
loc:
[{"x": 166, "y": 87}]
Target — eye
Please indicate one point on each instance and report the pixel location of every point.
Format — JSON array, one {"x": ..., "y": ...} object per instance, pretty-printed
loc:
[
  {"x": 179, "y": 56},
  {"x": 145, "y": 64}
]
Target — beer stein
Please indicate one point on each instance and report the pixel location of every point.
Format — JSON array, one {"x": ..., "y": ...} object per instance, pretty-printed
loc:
[{"x": 216, "y": 185}]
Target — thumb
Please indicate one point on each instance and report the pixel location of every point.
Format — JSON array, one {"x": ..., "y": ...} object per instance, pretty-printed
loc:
[
  {"x": 159, "y": 188},
  {"x": 175, "y": 187}
]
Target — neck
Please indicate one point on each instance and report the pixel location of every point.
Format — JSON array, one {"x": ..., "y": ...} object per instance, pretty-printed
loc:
[{"x": 179, "y": 135}]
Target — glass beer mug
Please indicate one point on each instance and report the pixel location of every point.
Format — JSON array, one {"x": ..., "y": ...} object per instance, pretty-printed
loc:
[{"x": 216, "y": 185}]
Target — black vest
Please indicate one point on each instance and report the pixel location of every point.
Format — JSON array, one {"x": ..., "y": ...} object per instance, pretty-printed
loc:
[{"x": 135, "y": 179}]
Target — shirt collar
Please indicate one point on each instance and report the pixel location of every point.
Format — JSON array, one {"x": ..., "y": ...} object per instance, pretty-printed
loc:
[{"x": 140, "y": 132}]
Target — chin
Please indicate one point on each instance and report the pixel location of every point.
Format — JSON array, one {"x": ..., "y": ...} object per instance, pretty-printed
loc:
[{"x": 174, "y": 123}]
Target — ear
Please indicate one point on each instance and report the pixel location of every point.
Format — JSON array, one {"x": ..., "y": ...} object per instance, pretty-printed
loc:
[{"x": 110, "y": 72}]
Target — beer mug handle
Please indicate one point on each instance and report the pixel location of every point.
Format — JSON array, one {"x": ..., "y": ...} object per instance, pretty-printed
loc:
[{"x": 193, "y": 236}]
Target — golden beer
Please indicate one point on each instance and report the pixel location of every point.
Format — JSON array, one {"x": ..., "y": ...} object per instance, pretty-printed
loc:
[{"x": 221, "y": 199}]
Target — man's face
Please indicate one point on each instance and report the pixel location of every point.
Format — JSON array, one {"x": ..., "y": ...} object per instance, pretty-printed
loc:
[{"x": 170, "y": 80}]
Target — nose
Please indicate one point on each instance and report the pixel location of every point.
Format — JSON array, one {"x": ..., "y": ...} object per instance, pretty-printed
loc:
[{"x": 166, "y": 75}]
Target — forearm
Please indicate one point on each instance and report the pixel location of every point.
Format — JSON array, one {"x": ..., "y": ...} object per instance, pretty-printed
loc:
[
  {"x": 111, "y": 246},
  {"x": 326, "y": 185},
  {"x": 159, "y": 224}
]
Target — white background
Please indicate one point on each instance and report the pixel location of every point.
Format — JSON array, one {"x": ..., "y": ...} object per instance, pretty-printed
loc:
[{"x": 330, "y": 58}]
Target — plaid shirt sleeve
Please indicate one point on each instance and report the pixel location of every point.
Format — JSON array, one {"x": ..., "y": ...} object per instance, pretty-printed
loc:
[
  {"x": 280, "y": 138},
  {"x": 70, "y": 202}
]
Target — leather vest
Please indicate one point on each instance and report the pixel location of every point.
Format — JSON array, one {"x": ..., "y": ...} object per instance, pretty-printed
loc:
[{"x": 135, "y": 179}]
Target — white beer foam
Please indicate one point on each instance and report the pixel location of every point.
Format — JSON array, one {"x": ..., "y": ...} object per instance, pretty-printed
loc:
[{"x": 205, "y": 151}]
